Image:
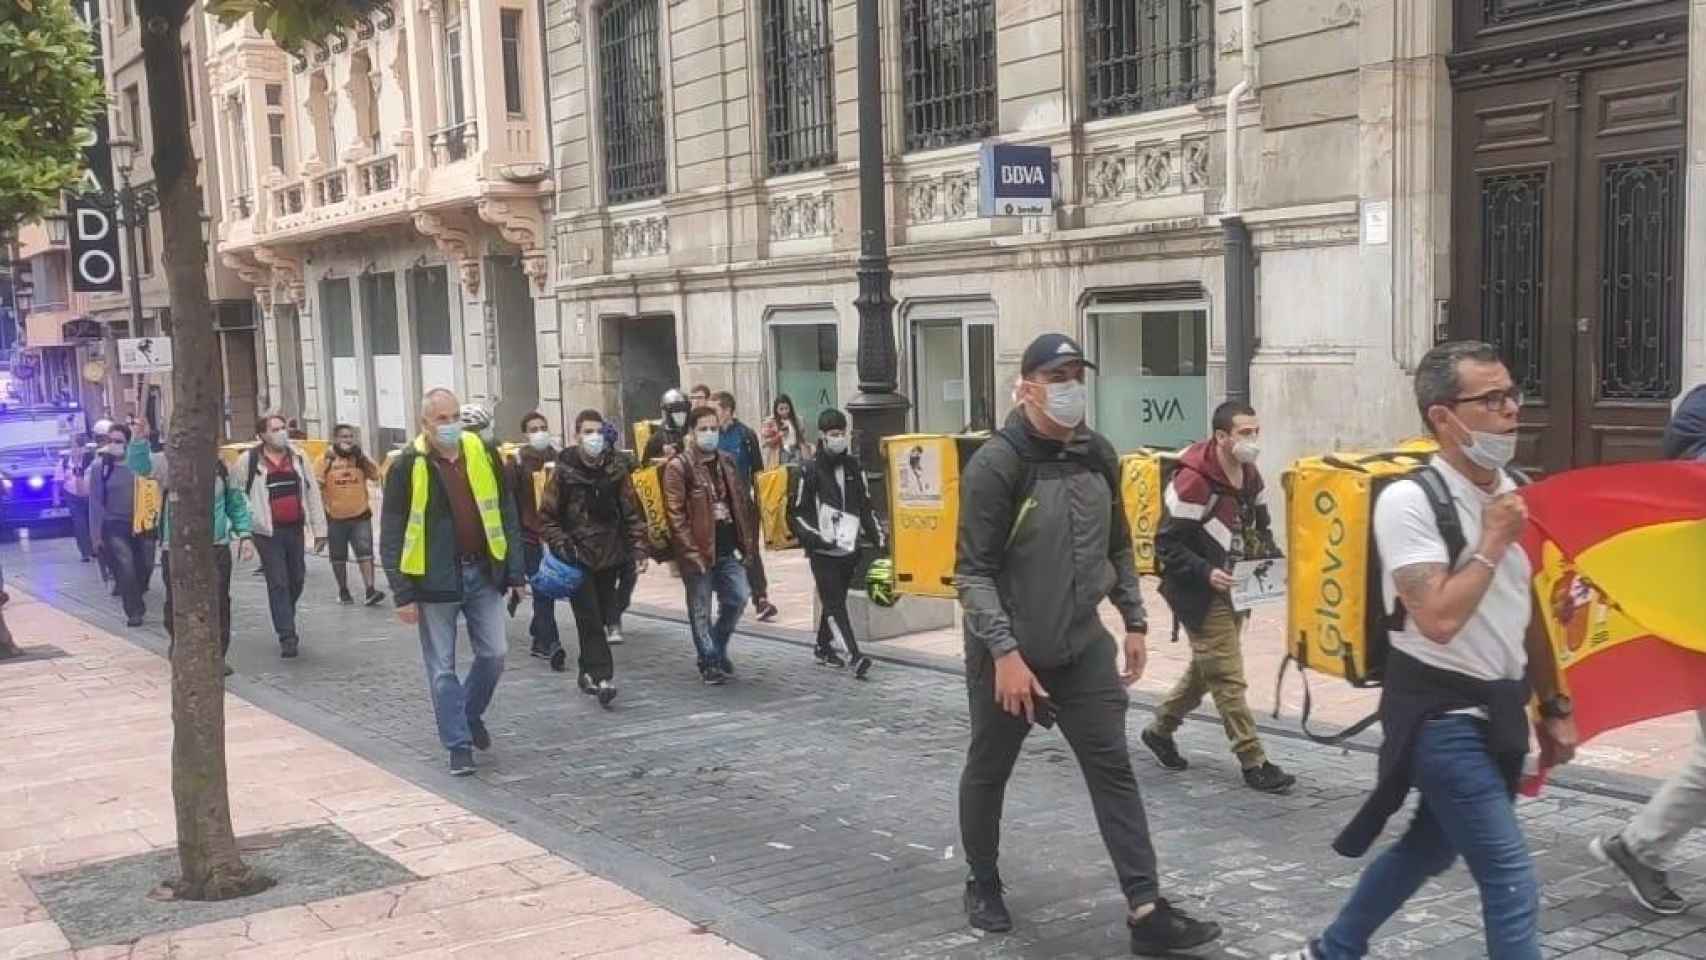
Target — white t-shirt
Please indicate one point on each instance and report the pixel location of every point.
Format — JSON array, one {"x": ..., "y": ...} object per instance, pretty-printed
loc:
[{"x": 1490, "y": 645}]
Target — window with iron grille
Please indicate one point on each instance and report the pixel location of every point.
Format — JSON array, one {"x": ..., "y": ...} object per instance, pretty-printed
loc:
[
  {"x": 949, "y": 58},
  {"x": 632, "y": 100},
  {"x": 799, "y": 71},
  {"x": 1147, "y": 54}
]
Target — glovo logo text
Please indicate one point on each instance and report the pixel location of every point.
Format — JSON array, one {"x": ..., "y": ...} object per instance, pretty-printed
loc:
[{"x": 1331, "y": 598}]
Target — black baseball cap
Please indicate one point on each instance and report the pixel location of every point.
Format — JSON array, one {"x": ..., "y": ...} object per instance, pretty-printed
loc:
[{"x": 1051, "y": 350}]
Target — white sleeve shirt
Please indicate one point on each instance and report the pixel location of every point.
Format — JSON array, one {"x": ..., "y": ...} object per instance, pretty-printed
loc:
[{"x": 1490, "y": 646}]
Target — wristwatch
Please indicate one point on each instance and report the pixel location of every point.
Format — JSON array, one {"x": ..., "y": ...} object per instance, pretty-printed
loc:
[{"x": 1557, "y": 708}]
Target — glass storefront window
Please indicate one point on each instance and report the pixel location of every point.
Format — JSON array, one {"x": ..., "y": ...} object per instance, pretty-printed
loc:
[
  {"x": 953, "y": 375},
  {"x": 379, "y": 304},
  {"x": 805, "y": 370},
  {"x": 337, "y": 314},
  {"x": 1152, "y": 387}
]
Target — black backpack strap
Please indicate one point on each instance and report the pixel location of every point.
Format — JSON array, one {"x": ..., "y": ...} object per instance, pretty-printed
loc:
[
  {"x": 1330, "y": 740},
  {"x": 1445, "y": 519},
  {"x": 254, "y": 469},
  {"x": 1028, "y": 479}
]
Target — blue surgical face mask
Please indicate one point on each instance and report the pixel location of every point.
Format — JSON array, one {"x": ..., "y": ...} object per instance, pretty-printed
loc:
[
  {"x": 449, "y": 435},
  {"x": 592, "y": 443},
  {"x": 707, "y": 439}
]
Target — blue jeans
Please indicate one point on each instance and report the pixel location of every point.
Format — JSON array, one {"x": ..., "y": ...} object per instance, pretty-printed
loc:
[
  {"x": 727, "y": 580},
  {"x": 1466, "y": 809},
  {"x": 455, "y": 702}
]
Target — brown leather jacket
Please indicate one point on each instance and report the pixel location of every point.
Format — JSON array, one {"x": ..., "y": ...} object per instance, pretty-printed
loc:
[{"x": 687, "y": 500}]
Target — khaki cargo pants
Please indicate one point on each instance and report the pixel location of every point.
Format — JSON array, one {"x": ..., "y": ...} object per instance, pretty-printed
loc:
[{"x": 1217, "y": 669}]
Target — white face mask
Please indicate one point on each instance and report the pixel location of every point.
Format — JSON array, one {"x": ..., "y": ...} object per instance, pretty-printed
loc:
[
  {"x": 592, "y": 444},
  {"x": 679, "y": 418},
  {"x": 115, "y": 449},
  {"x": 707, "y": 439},
  {"x": 1065, "y": 402},
  {"x": 279, "y": 438},
  {"x": 539, "y": 440},
  {"x": 1246, "y": 451},
  {"x": 1490, "y": 451},
  {"x": 836, "y": 445}
]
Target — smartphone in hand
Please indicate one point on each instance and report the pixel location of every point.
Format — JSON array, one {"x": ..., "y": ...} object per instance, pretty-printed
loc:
[
  {"x": 1044, "y": 710},
  {"x": 514, "y": 601}
]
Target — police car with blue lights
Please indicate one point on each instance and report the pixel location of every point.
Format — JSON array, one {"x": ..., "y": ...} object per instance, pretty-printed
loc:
[{"x": 33, "y": 441}]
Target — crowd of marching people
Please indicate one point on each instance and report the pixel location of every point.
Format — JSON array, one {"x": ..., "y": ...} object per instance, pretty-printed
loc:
[
  {"x": 466, "y": 527},
  {"x": 1042, "y": 541}
]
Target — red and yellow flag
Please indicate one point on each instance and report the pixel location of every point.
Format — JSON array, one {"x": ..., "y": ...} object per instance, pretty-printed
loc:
[{"x": 1619, "y": 555}]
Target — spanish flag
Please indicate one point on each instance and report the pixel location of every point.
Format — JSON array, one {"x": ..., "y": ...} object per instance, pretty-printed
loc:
[{"x": 1619, "y": 555}]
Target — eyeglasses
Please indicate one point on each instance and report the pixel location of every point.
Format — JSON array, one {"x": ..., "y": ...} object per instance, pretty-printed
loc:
[{"x": 1493, "y": 400}]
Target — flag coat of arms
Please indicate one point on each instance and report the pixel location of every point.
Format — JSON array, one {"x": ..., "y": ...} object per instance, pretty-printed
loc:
[{"x": 1619, "y": 559}]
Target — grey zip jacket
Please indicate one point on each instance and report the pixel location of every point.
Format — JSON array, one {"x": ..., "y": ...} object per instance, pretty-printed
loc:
[{"x": 1030, "y": 576}]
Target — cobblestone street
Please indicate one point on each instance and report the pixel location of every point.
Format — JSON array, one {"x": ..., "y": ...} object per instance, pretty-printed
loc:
[{"x": 801, "y": 813}]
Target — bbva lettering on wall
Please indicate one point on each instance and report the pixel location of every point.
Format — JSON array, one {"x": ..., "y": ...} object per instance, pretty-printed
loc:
[{"x": 1015, "y": 180}]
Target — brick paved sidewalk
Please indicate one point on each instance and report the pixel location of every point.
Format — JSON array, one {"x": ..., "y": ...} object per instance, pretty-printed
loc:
[
  {"x": 1655, "y": 749},
  {"x": 86, "y": 778}
]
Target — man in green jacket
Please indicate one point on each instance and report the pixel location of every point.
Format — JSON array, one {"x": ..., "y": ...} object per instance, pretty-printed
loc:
[{"x": 230, "y": 522}]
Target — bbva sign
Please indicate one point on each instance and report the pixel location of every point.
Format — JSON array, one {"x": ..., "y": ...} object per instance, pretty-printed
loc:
[{"x": 1015, "y": 180}]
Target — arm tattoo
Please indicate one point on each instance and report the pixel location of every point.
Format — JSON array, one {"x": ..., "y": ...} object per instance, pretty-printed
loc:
[{"x": 1416, "y": 581}]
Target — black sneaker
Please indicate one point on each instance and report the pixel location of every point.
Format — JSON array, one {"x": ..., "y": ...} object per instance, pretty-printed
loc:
[
  {"x": 228, "y": 670},
  {"x": 559, "y": 659},
  {"x": 287, "y": 648},
  {"x": 726, "y": 665},
  {"x": 345, "y": 598},
  {"x": 462, "y": 763},
  {"x": 1268, "y": 778},
  {"x": 133, "y": 621},
  {"x": 1649, "y": 885},
  {"x": 862, "y": 667},
  {"x": 588, "y": 685},
  {"x": 712, "y": 677},
  {"x": 766, "y": 610},
  {"x": 481, "y": 736},
  {"x": 606, "y": 693},
  {"x": 1164, "y": 930},
  {"x": 1165, "y": 750},
  {"x": 375, "y": 598},
  {"x": 985, "y": 909},
  {"x": 540, "y": 653},
  {"x": 827, "y": 657}
]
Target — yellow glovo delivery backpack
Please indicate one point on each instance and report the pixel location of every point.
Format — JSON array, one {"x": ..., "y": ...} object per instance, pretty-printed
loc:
[{"x": 1336, "y": 621}]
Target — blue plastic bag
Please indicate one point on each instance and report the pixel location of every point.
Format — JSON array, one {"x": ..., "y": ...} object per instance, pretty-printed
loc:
[{"x": 556, "y": 579}]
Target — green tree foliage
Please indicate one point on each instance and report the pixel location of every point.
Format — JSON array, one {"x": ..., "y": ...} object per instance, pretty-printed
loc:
[
  {"x": 293, "y": 23},
  {"x": 49, "y": 97}
]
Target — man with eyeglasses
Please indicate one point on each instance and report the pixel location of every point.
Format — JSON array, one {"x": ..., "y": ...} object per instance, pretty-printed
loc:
[{"x": 1462, "y": 668}]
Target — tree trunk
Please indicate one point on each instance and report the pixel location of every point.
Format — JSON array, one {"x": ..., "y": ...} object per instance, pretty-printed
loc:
[{"x": 212, "y": 868}]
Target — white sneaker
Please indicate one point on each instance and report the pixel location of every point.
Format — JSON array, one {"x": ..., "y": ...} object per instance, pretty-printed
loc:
[{"x": 614, "y": 635}]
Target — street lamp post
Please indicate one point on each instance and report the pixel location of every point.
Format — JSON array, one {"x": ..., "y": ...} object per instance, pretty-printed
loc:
[
  {"x": 879, "y": 410},
  {"x": 132, "y": 206}
]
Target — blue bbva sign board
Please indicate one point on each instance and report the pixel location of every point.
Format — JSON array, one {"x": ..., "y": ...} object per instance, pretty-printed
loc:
[{"x": 1015, "y": 181}]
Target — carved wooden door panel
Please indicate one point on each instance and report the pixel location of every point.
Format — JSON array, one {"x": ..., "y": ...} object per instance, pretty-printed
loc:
[
  {"x": 1567, "y": 245},
  {"x": 1629, "y": 264}
]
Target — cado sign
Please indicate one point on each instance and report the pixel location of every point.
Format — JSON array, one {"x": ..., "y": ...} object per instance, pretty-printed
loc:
[{"x": 1015, "y": 180}]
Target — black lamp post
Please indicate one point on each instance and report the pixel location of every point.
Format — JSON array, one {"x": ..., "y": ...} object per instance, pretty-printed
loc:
[
  {"x": 879, "y": 410},
  {"x": 132, "y": 204}
]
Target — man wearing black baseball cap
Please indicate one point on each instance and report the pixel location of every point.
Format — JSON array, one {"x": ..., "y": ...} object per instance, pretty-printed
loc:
[{"x": 1042, "y": 541}]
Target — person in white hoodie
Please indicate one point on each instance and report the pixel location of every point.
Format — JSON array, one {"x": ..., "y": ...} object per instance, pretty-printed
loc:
[{"x": 285, "y": 509}]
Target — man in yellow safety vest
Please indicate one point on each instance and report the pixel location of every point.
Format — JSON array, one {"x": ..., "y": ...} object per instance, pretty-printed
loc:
[{"x": 450, "y": 539}]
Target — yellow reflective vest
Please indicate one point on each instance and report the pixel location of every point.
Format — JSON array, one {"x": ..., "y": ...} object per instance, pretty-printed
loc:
[{"x": 481, "y": 477}]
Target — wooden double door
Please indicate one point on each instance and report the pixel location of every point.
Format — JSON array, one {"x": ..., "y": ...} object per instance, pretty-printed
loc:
[{"x": 1568, "y": 241}]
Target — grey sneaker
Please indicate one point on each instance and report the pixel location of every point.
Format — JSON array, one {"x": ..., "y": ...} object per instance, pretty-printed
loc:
[
  {"x": 462, "y": 763},
  {"x": 1649, "y": 884}
]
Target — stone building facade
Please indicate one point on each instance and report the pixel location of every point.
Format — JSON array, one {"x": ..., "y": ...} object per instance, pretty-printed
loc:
[
  {"x": 386, "y": 209},
  {"x": 706, "y": 224}
]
